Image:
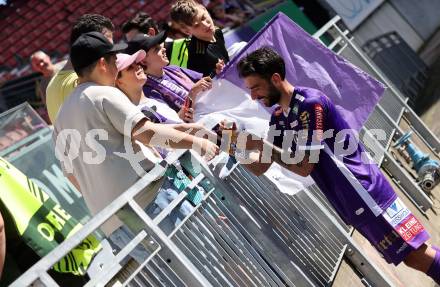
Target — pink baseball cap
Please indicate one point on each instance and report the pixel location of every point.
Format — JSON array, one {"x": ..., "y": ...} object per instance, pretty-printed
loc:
[{"x": 123, "y": 61}]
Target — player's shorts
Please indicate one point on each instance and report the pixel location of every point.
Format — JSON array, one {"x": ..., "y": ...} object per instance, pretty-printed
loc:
[{"x": 395, "y": 233}]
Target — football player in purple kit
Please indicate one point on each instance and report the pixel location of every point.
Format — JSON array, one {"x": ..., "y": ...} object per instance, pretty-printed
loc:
[{"x": 306, "y": 123}]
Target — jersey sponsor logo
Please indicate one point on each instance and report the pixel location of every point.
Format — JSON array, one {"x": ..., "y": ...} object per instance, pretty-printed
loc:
[
  {"x": 396, "y": 213},
  {"x": 319, "y": 124},
  {"x": 295, "y": 109},
  {"x": 395, "y": 208},
  {"x": 304, "y": 118},
  {"x": 299, "y": 97},
  {"x": 399, "y": 217},
  {"x": 409, "y": 228}
]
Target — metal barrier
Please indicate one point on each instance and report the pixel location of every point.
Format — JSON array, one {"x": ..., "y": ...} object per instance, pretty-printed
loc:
[
  {"x": 33, "y": 154},
  {"x": 399, "y": 62},
  {"x": 246, "y": 232},
  {"x": 18, "y": 91}
]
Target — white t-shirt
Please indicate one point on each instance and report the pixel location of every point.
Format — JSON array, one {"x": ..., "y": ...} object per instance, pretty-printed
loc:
[{"x": 102, "y": 118}]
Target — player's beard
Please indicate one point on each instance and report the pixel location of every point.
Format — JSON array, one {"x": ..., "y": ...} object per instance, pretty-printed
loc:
[{"x": 273, "y": 97}]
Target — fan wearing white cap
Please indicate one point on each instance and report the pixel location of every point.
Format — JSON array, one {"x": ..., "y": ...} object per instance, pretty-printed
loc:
[
  {"x": 131, "y": 76},
  {"x": 131, "y": 79}
]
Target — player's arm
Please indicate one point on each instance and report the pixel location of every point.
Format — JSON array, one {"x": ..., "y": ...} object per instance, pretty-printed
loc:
[
  {"x": 310, "y": 139},
  {"x": 263, "y": 153},
  {"x": 253, "y": 146},
  {"x": 302, "y": 168},
  {"x": 253, "y": 163}
]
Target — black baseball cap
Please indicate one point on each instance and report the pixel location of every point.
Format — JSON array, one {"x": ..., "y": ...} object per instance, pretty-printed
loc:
[
  {"x": 90, "y": 47},
  {"x": 145, "y": 42}
]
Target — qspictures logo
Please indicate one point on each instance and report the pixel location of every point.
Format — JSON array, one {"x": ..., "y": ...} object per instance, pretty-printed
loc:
[{"x": 70, "y": 145}]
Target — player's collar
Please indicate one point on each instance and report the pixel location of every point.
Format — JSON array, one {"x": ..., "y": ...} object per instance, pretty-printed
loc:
[{"x": 286, "y": 113}]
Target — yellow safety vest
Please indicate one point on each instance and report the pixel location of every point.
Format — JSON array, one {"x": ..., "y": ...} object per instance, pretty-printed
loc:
[
  {"x": 179, "y": 53},
  {"x": 41, "y": 222}
]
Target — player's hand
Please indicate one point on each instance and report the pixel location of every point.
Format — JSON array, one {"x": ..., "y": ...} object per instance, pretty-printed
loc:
[{"x": 231, "y": 129}]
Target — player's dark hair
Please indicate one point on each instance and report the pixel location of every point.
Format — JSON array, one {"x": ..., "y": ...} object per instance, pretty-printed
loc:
[{"x": 263, "y": 62}]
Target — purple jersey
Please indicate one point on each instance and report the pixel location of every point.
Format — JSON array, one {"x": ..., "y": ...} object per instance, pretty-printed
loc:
[
  {"x": 350, "y": 185},
  {"x": 173, "y": 87}
]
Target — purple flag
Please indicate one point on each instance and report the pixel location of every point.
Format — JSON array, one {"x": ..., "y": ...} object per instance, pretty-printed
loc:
[{"x": 310, "y": 64}]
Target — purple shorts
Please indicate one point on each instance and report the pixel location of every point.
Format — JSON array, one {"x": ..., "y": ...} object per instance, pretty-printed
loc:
[{"x": 395, "y": 233}]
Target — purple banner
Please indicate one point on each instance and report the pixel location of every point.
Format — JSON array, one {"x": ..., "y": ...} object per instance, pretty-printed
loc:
[{"x": 309, "y": 63}]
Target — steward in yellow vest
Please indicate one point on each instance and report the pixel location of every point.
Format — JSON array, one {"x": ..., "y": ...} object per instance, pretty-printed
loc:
[{"x": 35, "y": 224}]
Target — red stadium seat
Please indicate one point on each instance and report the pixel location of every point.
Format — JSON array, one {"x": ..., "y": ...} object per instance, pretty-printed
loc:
[
  {"x": 27, "y": 51},
  {"x": 126, "y": 13},
  {"x": 73, "y": 5},
  {"x": 22, "y": 10},
  {"x": 10, "y": 62},
  {"x": 19, "y": 22},
  {"x": 64, "y": 48},
  {"x": 138, "y": 5},
  {"x": 110, "y": 3},
  {"x": 31, "y": 14},
  {"x": 46, "y": 24},
  {"x": 116, "y": 10},
  {"x": 7, "y": 31},
  {"x": 41, "y": 8},
  {"x": 81, "y": 10},
  {"x": 39, "y": 43},
  {"x": 64, "y": 37},
  {"x": 51, "y": 46},
  {"x": 49, "y": 23}
]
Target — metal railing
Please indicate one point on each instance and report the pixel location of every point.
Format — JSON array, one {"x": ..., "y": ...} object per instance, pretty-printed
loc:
[{"x": 245, "y": 232}]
